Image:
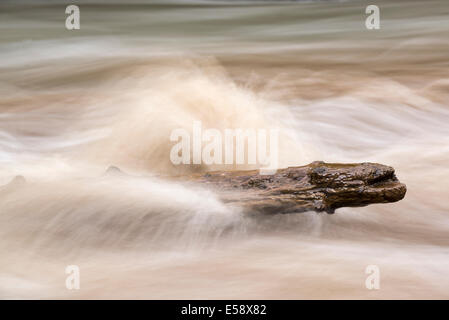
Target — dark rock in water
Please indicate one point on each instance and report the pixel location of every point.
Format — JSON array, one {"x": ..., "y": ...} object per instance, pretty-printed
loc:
[{"x": 318, "y": 186}]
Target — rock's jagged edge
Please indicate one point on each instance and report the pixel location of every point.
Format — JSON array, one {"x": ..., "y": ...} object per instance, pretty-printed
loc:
[{"x": 318, "y": 187}]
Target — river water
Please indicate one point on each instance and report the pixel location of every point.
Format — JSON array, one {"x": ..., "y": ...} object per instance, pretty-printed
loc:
[{"x": 72, "y": 103}]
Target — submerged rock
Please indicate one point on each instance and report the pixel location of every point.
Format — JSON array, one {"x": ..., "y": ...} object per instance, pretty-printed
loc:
[
  {"x": 113, "y": 171},
  {"x": 16, "y": 182}
]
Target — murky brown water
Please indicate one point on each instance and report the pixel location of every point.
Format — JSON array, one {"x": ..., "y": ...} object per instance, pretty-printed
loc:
[{"x": 74, "y": 102}]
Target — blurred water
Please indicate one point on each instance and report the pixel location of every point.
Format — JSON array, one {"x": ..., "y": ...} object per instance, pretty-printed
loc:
[{"x": 73, "y": 103}]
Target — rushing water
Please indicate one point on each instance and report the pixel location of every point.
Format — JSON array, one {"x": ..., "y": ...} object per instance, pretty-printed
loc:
[{"x": 73, "y": 103}]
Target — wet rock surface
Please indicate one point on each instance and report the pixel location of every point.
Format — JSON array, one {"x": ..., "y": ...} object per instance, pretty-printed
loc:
[{"x": 318, "y": 187}]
